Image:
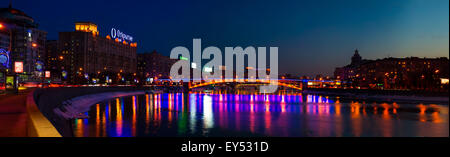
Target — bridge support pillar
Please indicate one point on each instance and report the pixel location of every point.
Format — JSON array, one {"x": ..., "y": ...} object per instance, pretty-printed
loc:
[
  {"x": 233, "y": 87},
  {"x": 186, "y": 89}
]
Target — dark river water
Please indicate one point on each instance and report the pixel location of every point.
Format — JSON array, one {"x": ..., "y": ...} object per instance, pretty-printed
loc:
[{"x": 287, "y": 115}]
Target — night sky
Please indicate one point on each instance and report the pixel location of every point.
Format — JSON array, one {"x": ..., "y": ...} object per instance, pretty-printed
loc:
[{"x": 313, "y": 36}]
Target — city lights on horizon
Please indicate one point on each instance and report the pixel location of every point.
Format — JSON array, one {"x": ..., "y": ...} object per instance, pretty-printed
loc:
[{"x": 298, "y": 69}]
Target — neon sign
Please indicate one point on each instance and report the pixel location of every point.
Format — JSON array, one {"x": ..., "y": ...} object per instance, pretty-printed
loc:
[
  {"x": 115, "y": 33},
  {"x": 4, "y": 58},
  {"x": 39, "y": 65},
  {"x": 64, "y": 74}
]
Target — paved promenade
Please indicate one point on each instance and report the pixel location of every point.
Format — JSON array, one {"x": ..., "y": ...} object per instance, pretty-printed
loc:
[{"x": 13, "y": 115}]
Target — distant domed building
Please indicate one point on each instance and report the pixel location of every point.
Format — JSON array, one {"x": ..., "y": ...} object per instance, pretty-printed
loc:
[
  {"x": 21, "y": 40},
  {"x": 356, "y": 59}
]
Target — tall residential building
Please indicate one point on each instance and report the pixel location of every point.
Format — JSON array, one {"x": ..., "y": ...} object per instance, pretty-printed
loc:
[
  {"x": 154, "y": 65},
  {"x": 86, "y": 55},
  {"x": 21, "y": 40},
  {"x": 52, "y": 60},
  {"x": 396, "y": 73}
]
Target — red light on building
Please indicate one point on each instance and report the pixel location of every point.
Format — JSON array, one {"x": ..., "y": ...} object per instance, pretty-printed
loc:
[
  {"x": 34, "y": 45},
  {"x": 18, "y": 67},
  {"x": 47, "y": 74},
  {"x": 1, "y": 26}
]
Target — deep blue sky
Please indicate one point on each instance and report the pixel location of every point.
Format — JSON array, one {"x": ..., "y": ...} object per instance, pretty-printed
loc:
[{"x": 313, "y": 36}]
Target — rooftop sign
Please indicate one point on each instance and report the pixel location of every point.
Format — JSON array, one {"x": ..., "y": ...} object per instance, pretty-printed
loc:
[{"x": 115, "y": 33}]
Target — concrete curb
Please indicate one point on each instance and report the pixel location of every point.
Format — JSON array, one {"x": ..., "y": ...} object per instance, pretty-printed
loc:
[{"x": 38, "y": 125}]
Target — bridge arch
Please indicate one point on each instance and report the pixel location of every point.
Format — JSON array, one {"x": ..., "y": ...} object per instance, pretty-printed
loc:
[{"x": 247, "y": 82}]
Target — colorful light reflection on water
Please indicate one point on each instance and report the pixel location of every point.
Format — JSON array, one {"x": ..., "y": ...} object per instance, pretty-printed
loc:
[{"x": 287, "y": 115}]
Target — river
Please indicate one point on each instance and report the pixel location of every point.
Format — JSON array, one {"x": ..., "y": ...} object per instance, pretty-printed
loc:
[{"x": 258, "y": 115}]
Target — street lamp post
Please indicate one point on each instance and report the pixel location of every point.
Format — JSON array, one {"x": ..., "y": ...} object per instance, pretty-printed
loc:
[
  {"x": 2, "y": 26},
  {"x": 10, "y": 36}
]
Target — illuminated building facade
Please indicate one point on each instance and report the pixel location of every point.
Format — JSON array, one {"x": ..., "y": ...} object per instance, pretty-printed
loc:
[
  {"x": 397, "y": 73},
  {"x": 21, "y": 40},
  {"x": 52, "y": 60},
  {"x": 154, "y": 65},
  {"x": 86, "y": 56}
]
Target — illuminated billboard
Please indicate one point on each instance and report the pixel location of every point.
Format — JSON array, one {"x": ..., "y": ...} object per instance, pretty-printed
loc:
[
  {"x": 18, "y": 67},
  {"x": 47, "y": 74}
]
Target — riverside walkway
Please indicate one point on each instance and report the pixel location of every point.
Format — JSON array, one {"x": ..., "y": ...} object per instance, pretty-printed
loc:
[
  {"x": 13, "y": 115},
  {"x": 21, "y": 117}
]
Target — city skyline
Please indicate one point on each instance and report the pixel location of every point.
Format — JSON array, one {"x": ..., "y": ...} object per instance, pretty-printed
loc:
[
  {"x": 308, "y": 34},
  {"x": 213, "y": 77}
]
